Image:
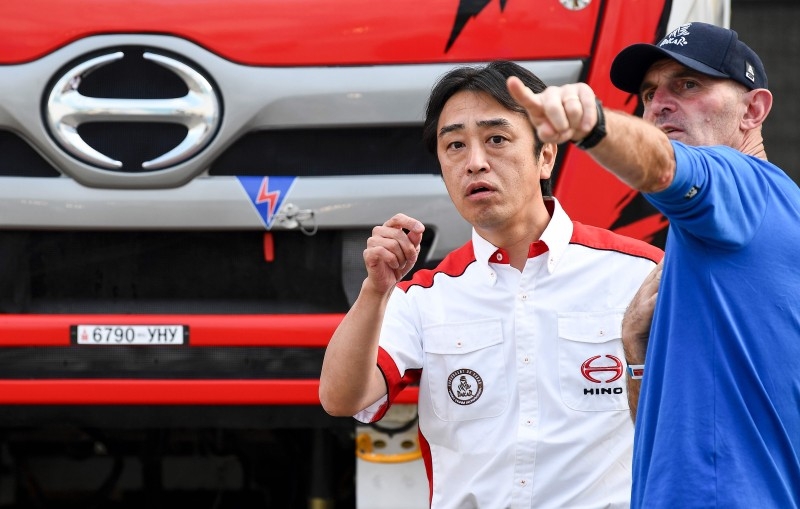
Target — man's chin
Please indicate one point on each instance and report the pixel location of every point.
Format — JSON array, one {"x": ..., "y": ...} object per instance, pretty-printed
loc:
[{"x": 679, "y": 136}]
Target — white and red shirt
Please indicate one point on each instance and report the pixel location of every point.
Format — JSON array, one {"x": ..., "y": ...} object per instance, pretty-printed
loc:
[{"x": 522, "y": 396}]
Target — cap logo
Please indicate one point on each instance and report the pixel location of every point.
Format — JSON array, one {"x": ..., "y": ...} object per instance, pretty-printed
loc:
[
  {"x": 750, "y": 72},
  {"x": 677, "y": 36}
]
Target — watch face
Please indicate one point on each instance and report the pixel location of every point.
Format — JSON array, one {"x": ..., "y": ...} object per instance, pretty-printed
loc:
[{"x": 575, "y": 5}]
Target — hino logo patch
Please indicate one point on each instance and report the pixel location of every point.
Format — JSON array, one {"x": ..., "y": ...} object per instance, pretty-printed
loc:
[{"x": 612, "y": 368}]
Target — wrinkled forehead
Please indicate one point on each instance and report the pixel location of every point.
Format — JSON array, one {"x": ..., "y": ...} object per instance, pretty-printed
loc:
[{"x": 665, "y": 68}]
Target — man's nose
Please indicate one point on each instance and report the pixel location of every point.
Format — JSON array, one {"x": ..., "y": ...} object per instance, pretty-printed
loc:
[
  {"x": 478, "y": 160},
  {"x": 660, "y": 102}
]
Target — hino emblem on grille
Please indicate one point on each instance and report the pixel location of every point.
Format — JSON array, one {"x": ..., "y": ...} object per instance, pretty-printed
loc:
[{"x": 198, "y": 111}]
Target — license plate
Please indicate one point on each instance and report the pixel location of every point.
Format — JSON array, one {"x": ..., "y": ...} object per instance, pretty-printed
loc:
[{"x": 152, "y": 335}]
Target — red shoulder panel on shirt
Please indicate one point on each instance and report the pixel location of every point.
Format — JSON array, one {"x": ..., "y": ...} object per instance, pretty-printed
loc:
[
  {"x": 453, "y": 265},
  {"x": 600, "y": 238}
]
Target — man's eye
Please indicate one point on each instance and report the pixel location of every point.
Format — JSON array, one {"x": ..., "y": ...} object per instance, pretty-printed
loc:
[
  {"x": 455, "y": 145},
  {"x": 496, "y": 139}
]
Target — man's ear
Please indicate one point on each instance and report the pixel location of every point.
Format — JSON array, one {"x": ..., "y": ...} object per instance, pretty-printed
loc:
[
  {"x": 547, "y": 159},
  {"x": 759, "y": 104}
]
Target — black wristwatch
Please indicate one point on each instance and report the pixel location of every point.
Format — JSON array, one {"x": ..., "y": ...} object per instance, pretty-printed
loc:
[{"x": 597, "y": 133}]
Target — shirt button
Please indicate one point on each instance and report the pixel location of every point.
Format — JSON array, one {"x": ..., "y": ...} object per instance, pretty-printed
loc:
[
  {"x": 526, "y": 360},
  {"x": 499, "y": 257},
  {"x": 528, "y": 422},
  {"x": 523, "y": 296},
  {"x": 458, "y": 344},
  {"x": 523, "y": 482}
]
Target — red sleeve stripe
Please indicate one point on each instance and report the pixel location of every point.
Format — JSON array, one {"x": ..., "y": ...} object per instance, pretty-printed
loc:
[{"x": 395, "y": 383}]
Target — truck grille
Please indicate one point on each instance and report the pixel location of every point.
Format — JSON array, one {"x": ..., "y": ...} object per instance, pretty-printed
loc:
[
  {"x": 181, "y": 272},
  {"x": 286, "y": 152}
]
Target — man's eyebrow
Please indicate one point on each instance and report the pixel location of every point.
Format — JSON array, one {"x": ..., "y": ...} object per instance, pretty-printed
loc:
[
  {"x": 450, "y": 128},
  {"x": 494, "y": 122},
  {"x": 491, "y": 122},
  {"x": 680, "y": 74}
]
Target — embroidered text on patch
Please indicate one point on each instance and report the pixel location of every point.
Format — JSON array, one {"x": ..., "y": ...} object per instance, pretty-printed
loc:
[{"x": 677, "y": 36}]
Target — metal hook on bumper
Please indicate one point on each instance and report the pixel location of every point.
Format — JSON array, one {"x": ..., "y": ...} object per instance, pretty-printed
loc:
[{"x": 291, "y": 217}]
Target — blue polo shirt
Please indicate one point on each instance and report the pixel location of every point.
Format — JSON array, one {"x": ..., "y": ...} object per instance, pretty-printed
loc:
[{"x": 718, "y": 422}]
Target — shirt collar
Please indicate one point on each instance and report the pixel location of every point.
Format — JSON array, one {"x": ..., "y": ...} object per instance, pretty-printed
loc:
[{"x": 555, "y": 238}]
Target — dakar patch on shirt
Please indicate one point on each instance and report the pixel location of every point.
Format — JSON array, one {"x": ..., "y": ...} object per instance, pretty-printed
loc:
[{"x": 464, "y": 386}]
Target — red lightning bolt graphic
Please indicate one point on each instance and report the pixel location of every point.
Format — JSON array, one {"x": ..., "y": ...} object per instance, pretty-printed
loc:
[{"x": 269, "y": 197}]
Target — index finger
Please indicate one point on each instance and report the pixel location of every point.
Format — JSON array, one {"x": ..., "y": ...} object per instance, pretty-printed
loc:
[
  {"x": 524, "y": 96},
  {"x": 405, "y": 222},
  {"x": 534, "y": 105}
]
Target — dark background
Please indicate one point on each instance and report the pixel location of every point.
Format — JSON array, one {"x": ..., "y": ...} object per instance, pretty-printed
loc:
[{"x": 772, "y": 29}]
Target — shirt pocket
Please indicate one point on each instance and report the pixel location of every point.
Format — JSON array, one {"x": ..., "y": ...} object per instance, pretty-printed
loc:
[
  {"x": 466, "y": 371},
  {"x": 591, "y": 361}
]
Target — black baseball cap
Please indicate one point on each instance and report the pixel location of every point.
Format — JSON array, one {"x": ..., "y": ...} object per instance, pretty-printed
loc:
[{"x": 708, "y": 49}]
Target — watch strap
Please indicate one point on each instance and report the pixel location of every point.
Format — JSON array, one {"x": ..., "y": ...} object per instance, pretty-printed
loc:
[{"x": 597, "y": 133}]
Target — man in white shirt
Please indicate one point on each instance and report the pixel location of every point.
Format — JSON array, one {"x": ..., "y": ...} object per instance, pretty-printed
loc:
[{"x": 515, "y": 337}]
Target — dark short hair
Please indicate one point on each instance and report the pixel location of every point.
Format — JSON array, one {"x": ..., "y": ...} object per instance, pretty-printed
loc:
[{"x": 490, "y": 79}]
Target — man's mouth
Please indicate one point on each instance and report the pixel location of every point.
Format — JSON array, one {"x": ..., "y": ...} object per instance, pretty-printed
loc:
[
  {"x": 669, "y": 129},
  {"x": 478, "y": 188}
]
